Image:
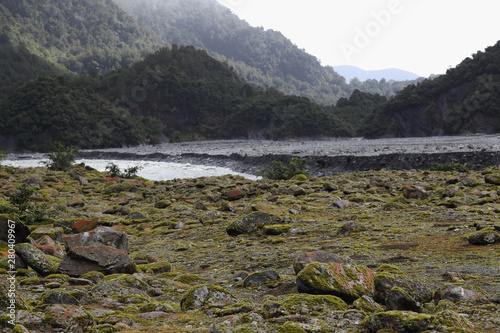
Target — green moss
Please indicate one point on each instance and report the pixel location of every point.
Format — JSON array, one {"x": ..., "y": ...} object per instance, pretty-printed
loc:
[
  {"x": 277, "y": 229},
  {"x": 291, "y": 327},
  {"x": 189, "y": 279},
  {"x": 61, "y": 278},
  {"x": 295, "y": 303},
  {"x": 93, "y": 276},
  {"x": 156, "y": 267},
  {"x": 389, "y": 269}
]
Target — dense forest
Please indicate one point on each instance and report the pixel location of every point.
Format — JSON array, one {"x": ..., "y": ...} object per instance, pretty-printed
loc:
[
  {"x": 263, "y": 58},
  {"x": 87, "y": 74},
  {"x": 81, "y": 35},
  {"x": 465, "y": 100}
]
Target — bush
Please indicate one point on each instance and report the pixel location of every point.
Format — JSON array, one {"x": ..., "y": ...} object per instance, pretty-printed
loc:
[
  {"x": 128, "y": 173},
  {"x": 61, "y": 158},
  {"x": 280, "y": 171},
  {"x": 452, "y": 166},
  {"x": 27, "y": 211}
]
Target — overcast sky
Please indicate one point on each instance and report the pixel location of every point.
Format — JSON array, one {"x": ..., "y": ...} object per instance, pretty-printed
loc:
[{"x": 422, "y": 36}]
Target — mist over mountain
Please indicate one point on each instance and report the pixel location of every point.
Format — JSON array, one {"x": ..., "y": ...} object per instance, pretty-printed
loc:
[
  {"x": 351, "y": 72},
  {"x": 262, "y": 57}
]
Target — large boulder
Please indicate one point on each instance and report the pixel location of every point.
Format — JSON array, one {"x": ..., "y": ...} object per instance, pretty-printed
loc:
[
  {"x": 252, "y": 223},
  {"x": 100, "y": 236},
  {"x": 398, "y": 321},
  {"x": 20, "y": 231},
  {"x": 456, "y": 293},
  {"x": 347, "y": 281},
  {"x": 484, "y": 236},
  {"x": 206, "y": 296},
  {"x": 306, "y": 258},
  {"x": 36, "y": 259},
  {"x": 102, "y": 258},
  {"x": 69, "y": 317},
  {"x": 388, "y": 277}
]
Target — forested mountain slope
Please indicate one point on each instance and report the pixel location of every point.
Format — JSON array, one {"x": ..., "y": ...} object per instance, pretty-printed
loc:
[
  {"x": 81, "y": 35},
  {"x": 263, "y": 58},
  {"x": 465, "y": 100}
]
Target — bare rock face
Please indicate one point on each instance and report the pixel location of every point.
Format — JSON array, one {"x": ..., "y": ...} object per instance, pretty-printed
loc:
[
  {"x": 100, "y": 236},
  {"x": 102, "y": 258}
]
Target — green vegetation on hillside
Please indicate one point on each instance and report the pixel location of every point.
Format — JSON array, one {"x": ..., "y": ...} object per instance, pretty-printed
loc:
[
  {"x": 82, "y": 35},
  {"x": 51, "y": 109},
  {"x": 465, "y": 100},
  {"x": 263, "y": 58}
]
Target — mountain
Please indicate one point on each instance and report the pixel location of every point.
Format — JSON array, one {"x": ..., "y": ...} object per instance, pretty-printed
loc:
[
  {"x": 351, "y": 72},
  {"x": 264, "y": 58},
  {"x": 77, "y": 35},
  {"x": 179, "y": 92},
  {"x": 464, "y": 100}
]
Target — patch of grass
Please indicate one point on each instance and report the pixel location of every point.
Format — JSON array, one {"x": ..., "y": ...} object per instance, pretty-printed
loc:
[{"x": 452, "y": 166}]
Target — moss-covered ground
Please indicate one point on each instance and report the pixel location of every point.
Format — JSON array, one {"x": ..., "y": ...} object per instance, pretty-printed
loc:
[{"x": 424, "y": 238}]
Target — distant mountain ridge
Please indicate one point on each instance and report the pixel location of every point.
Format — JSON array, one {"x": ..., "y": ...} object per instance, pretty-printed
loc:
[{"x": 351, "y": 72}]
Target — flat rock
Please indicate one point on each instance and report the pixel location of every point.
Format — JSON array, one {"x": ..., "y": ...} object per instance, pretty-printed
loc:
[
  {"x": 104, "y": 259},
  {"x": 100, "y": 236},
  {"x": 306, "y": 258}
]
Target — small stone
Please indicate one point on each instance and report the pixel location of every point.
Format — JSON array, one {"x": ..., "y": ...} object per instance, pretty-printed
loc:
[
  {"x": 349, "y": 228},
  {"x": 485, "y": 236},
  {"x": 260, "y": 278},
  {"x": 455, "y": 294},
  {"x": 235, "y": 194},
  {"x": 342, "y": 204},
  {"x": 414, "y": 192},
  {"x": 252, "y": 223},
  {"x": 206, "y": 296}
]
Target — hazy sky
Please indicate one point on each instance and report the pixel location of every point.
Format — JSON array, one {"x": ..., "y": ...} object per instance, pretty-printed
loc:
[{"x": 422, "y": 36}]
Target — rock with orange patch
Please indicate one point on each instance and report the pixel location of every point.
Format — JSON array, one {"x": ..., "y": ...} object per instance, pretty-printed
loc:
[
  {"x": 306, "y": 258},
  {"x": 85, "y": 225},
  {"x": 347, "y": 281}
]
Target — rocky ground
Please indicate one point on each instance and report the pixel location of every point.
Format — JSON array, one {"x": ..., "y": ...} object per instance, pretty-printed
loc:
[
  {"x": 371, "y": 251},
  {"x": 323, "y": 156}
]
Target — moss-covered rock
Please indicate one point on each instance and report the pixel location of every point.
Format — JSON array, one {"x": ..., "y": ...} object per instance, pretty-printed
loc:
[
  {"x": 297, "y": 303},
  {"x": 389, "y": 277},
  {"x": 55, "y": 233},
  {"x": 452, "y": 319},
  {"x": 43, "y": 264},
  {"x": 206, "y": 295},
  {"x": 68, "y": 316},
  {"x": 399, "y": 321},
  {"x": 484, "y": 236},
  {"x": 399, "y": 299},
  {"x": 18, "y": 230},
  {"x": 260, "y": 278},
  {"x": 156, "y": 267},
  {"x": 276, "y": 229},
  {"x": 347, "y": 281},
  {"x": 291, "y": 327},
  {"x": 253, "y": 223},
  {"x": 58, "y": 296}
]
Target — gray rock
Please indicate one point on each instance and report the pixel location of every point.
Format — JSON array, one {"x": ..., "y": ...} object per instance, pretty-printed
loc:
[
  {"x": 99, "y": 236},
  {"x": 20, "y": 231},
  {"x": 252, "y": 223},
  {"x": 306, "y": 258},
  {"x": 43, "y": 264},
  {"x": 260, "y": 278}
]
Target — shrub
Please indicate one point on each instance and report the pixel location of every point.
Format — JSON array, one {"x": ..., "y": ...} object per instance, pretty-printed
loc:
[
  {"x": 452, "y": 166},
  {"x": 28, "y": 211},
  {"x": 279, "y": 171},
  {"x": 128, "y": 173},
  {"x": 61, "y": 158}
]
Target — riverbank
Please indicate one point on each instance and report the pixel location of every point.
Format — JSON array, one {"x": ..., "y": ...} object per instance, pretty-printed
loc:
[{"x": 324, "y": 156}]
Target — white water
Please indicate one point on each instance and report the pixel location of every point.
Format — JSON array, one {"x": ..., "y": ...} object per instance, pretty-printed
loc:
[{"x": 150, "y": 170}]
